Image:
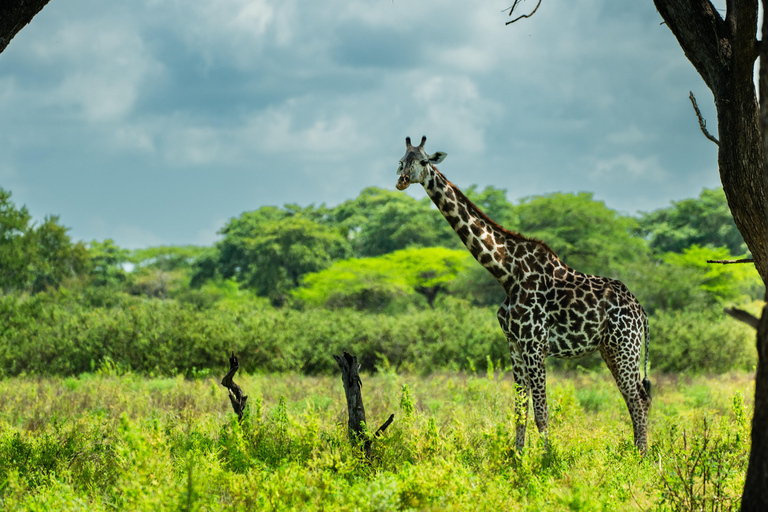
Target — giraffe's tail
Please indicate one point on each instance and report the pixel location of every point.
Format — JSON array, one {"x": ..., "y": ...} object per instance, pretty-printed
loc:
[{"x": 646, "y": 380}]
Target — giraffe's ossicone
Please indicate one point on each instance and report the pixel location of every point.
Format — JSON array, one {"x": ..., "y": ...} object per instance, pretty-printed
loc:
[{"x": 550, "y": 309}]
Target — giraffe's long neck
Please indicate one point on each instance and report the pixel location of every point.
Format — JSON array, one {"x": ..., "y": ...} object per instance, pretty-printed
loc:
[{"x": 491, "y": 245}]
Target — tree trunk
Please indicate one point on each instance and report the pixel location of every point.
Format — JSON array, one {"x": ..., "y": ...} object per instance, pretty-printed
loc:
[
  {"x": 14, "y": 15},
  {"x": 755, "y": 497}
]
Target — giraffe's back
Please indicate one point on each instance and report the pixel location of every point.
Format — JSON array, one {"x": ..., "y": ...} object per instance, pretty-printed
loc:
[{"x": 588, "y": 310}]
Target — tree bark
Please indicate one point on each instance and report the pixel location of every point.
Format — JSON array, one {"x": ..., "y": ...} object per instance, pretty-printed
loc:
[
  {"x": 723, "y": 51},
  {"x": 755, "y": 497},
  {"x": 15, "y": 15}
]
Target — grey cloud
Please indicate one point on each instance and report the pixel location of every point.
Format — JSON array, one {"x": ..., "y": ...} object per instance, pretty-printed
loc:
[{"x": 196, "y": 113}]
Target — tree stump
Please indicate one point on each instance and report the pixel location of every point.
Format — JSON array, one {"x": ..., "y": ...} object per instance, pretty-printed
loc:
[
  {"x": 236, "y": 396},
  {"x": 350, "y": 377}
]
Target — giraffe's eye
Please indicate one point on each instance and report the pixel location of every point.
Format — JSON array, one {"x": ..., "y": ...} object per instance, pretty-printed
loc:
[{"x": 424, "y": 163}]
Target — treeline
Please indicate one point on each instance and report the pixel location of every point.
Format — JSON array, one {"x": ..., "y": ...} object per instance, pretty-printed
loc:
[{"x": 381, "y": 275}]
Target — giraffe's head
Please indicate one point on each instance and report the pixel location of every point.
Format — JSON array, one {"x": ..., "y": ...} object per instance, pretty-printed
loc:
[{"x": 413, "y": 165}]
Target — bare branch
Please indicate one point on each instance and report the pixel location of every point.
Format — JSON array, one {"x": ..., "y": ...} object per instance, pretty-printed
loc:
[
  {"x": 512, "y": 9},
  {"x": 728, "y": 262},
  {"x": 702, "y": 122},
  {"x": 743, "y": 316},
  {"x": 387, "y": 423},
  {"x": 236, "y": 396}
]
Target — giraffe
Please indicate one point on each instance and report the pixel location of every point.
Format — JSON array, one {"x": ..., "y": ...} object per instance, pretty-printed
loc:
[{"x": 550, "y": 309}]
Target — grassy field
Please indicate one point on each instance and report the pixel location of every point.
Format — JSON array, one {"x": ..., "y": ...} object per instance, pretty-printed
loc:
[{"x": 105, "y": 441}]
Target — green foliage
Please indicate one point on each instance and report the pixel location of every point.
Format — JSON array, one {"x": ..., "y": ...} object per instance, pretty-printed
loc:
[
  {"x": 14, "y": 245},
  {"x": 164, "y": 271},
  {"x": 661, "y": 286},
  {"x": 364, "y": 284},
  {"x": 584, "y": 233},
  {"x": 383, "y": 221},
  {"x": 67, "y": 309},
  {"x": 680, "y": 281},
  {"x": 35, "y": 258},
  {"x": 165, "y": 337},
  {"x": 705, "y": 221},
  {"x": 269, "y": 250},
  {"x": 703, "y": 341},
  {"x": 723, "y": 282},
  {"x": 107, "y": 263},
  {"x": 493, "y": 202},
  {"x": 374, "y": 283},
  {"x": 167, "y": 257},
  {"x": 704, "y": 467},
  {"x": 478, "y": 286}
]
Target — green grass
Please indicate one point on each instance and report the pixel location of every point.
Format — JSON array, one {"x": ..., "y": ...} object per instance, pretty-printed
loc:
[{"x": 122, "y": 442}]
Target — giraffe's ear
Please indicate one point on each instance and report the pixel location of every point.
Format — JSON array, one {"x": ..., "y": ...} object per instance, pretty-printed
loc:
[{"x": 437, "y": 157}]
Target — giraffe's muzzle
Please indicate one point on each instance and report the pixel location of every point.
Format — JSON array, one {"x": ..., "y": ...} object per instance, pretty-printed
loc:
[{"x": 403, "y": 182}]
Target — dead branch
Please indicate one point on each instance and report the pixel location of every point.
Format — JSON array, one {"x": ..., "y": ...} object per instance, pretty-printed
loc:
[
  {"x": 743, "y": 316},
  {"x": 236, "y": 396},
  {"x": 350, "y": 377},
  {"x": 512, "y": 9},
  {"x": 728, "y": 262},
  {"x": 702, "y": 122}
]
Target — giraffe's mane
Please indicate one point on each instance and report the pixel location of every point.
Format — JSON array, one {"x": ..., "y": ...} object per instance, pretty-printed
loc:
[{"x": 493, "y": 223}]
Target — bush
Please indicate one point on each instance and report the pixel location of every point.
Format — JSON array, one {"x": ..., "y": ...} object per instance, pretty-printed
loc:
[
  {"x": 165, "y": 337},
  {"x": 47, "y": 335},
  {"x": 700, "y": 341}
]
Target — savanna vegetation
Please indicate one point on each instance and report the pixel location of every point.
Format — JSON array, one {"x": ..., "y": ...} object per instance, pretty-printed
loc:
[
  {"x": 381, "y": 275},
  {"x": 117, "y": 441},
  {"x": 111, "y": 358}
]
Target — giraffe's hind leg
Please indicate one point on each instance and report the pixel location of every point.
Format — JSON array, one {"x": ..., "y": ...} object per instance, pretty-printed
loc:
[{"x": 623, "y": 361}]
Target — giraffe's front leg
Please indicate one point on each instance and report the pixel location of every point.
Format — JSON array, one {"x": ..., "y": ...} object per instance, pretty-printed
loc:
[
  {"x": 511, "y": 329},
  {"x": 521, "y": 397}
]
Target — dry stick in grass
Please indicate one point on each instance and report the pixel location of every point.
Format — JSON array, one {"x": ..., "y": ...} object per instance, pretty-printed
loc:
[
  {"x": 236, "y": 395},
  {"x": 350, "y": 376}
]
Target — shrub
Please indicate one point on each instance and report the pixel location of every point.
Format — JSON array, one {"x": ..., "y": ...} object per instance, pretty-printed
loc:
[{"x": 700, "y": 341}]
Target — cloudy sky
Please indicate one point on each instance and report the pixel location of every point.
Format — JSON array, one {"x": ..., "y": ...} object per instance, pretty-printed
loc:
[{"x": 154, "y": 121}]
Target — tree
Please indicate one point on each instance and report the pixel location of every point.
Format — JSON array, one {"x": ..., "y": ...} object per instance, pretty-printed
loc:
[
  {"x": 269, "y": 250},
  {"x": 382, "y": 221},
  {"x": 721, "y": 282},
  {"x": 54, "y": 258},
  {"x": 705, "y": 221},
  {"x": 14, "y": 223},
  {"x": 374, "y": 283},
  {"x": 584, "y": 233},
  {"x": 493, "y": 202},
  {"x": 107, "y": 264},
  {"x": 34, "y": 258},
  {"x": 167, "y": 257}
]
